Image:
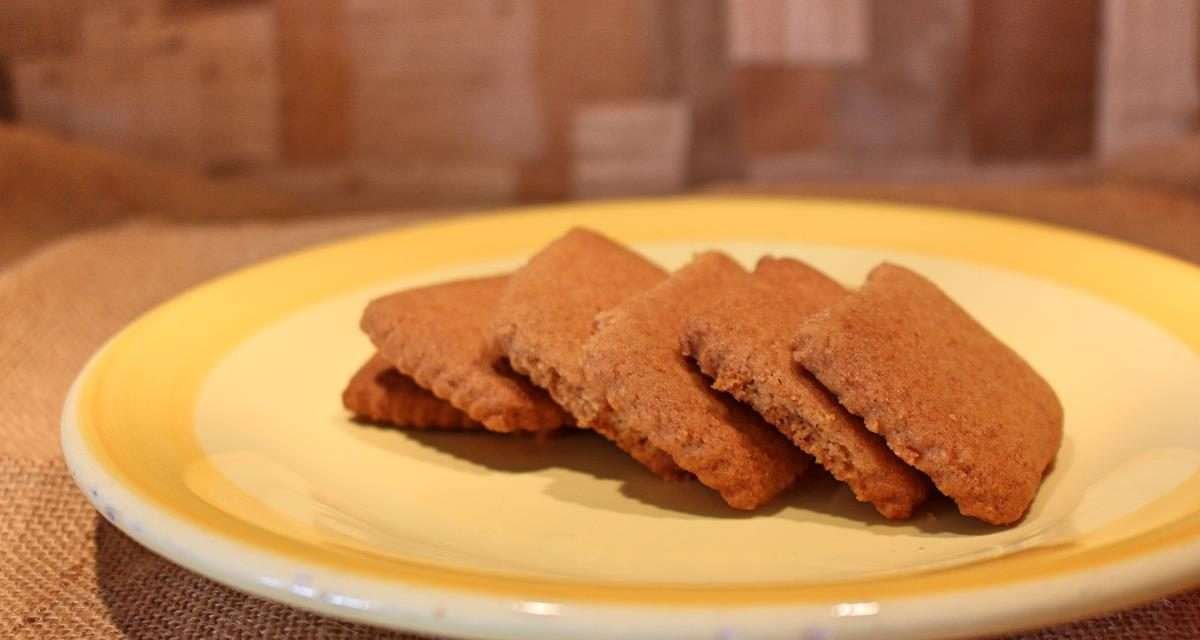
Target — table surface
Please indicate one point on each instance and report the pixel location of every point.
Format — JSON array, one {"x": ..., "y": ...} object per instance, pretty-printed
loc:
[{"x": 64, "y": 572}]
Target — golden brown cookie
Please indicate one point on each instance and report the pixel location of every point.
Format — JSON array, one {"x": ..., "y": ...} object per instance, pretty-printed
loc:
[
  {"x": 546, "y": 313},
  {"x": 743, "y": 341},
  {"x": 947, "y": 396},
  {"x": 435, "y": 335},
  {"x": 633, "y": 368},
  {"x": 380, "y": 393}
]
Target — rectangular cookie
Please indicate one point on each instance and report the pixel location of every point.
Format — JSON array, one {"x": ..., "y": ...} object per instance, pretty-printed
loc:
[
  {"x": 633, "y": 370},
  {"x": 546, "y": 312},
  {"x": 742, "y": 340},
  {"x": 948, "y": 397},
  {"x": 436, "y": 336},
  {"x": 379, "y": 393}
]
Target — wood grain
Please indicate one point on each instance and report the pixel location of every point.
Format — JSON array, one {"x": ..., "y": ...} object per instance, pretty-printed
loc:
[
  {"x": 483, "y": 98},
  {"x": 40, "y": 27},
  {"x": 785, "y": 108},
  {"x": 44, "y": 93},
  {"x": 314, "y": 78},
  {"x": 801, "y": 31},
  {"x": 440, "y": 82},
  {"x": 1032, "y": 78},
  {"x": 182, "y": 92},
  {"x": 757, "y": 31},
  {"x": 908, "y": 99},
  {"x": 583, "y": 53},
  {"x": 1149, "y": 92},
  {"x": 706, "y": 82},
  {"x": 183, "y": 7},
  {"x": 8, "y": 99},
  {"x": 628, "y": 149}
]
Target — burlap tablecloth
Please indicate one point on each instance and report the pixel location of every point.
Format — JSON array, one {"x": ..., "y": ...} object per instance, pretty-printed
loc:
[{"x": 64, "y": 572}]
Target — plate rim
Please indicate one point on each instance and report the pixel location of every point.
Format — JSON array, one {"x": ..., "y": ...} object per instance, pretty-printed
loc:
[{"x": 332, "y": 592}]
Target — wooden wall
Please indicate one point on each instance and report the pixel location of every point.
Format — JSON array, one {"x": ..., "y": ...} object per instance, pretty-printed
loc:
[{"x": 362, "y": 103}]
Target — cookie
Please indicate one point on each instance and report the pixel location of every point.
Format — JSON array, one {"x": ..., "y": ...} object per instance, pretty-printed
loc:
[
  {"x": 634, "y": 370},
  {"x": 546, "y": 313},
  {"x": 743, "y": 340},
  {"x": 380, "y": 393},
  {"x": 948, "y": 397},
  {"x": 436, "y": 336}
]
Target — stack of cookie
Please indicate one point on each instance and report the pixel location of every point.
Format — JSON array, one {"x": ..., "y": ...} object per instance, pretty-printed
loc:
[{"x": 738, "y": 379}]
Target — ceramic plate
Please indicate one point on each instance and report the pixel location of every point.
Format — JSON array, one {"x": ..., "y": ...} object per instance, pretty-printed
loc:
[{"x": 211, "y": 431}]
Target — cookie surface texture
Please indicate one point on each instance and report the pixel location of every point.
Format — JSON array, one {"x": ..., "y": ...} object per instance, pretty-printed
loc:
[
  {"x": 743, "y": 342},
  {"x": 948, "y": 397},
  {"x": 547, "y": 312},
  {"x": 379, "y": 393},
  {"x": 436, "y": 336},
  {"x": 633, "y": 367}
]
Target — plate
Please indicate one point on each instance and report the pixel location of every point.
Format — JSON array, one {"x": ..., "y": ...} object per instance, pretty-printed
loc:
[{"x": 210, "y": 430}]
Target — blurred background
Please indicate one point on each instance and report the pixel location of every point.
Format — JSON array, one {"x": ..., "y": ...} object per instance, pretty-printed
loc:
[
  {"x": 149, "y": 145},
  {"x": 279, "y": 107}
]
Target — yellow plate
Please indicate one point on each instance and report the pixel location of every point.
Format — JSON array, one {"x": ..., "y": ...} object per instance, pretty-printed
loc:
[{"x": 211, "y": 431}]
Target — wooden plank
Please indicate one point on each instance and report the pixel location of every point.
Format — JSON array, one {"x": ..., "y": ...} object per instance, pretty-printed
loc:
[
  {"x": 706, "y": 82},
  {"x": 185, "y": 7},
  {"x": 630, "y": 149},
  {"x": 180, "y": 91},
  {"x": 314, "y": 78},
  {"x": 237, "y": 82},
  {"x": 1032, "y": 78},
  {"x": 1149, "y": 78},
  {"x": 39, "y": 27},
  {"x": 43, "y": 94},
  {"x": 442, "y": 81},
  {"x": 785, "y": 108},
  {"x": 757, "y": 31},
  {"x": 125, "y": 63},
  {"x": 801, "y": 31},
  {"x": 908, "y": 99},
  {"x": 583, "y": 53},
  {"x": 8, "y": 99},
  {"x": 829, "y": 31}
]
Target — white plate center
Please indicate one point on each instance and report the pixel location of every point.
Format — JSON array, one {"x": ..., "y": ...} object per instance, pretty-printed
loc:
[{"x": 282, "y": 454}]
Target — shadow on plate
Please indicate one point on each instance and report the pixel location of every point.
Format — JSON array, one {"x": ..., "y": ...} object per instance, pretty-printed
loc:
[{"x": 574, "y": 460}]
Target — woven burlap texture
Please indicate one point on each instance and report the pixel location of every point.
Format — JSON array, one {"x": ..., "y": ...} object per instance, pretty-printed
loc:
[{"x": 64, "y": 572}]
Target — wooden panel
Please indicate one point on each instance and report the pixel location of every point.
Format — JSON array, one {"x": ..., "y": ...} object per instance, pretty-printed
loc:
[
  {"x": 184, "y": 7},
  {"x": 1148, "y": 75},
  {"x": 468, "y": 182},
  {"x": 757, "y": 30},
  {"x": 630, "y": 149},
  {"x": 180, "y": 91},
  {"x": 8, "y": 98},
  {"x": 314, "y": 77},
  {"x": 1032, "y": 78},
  {"x": 706, "y": 79},
  {"x": 808, "y": 31},
  {"x": 909, "y": 98},
  {"x": 365, "y": 186},
  {"x": 39, "y": 27},
  {"x": 833, "y": 31},
  {"x": 238, "y": 84},
  {"x": 128, "y": 93},
  {"x": 584, "y": 52},
  {"x": 443, "y": 81},
  {"x": 43, "y": 94},
  {"x": 785, "y": 108}
]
